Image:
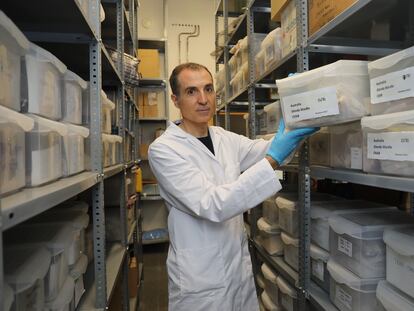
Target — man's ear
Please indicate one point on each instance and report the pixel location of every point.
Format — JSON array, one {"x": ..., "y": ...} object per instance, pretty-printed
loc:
[{"x": 174, "y": 98}]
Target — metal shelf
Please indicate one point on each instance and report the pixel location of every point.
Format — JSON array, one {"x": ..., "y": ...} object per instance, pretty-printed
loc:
[
  {"x": 231, "y": 4},
  {"x": 152, "y": 43},
  {"x": 382, "y": 181},
  {"x": 289, "y": 59},
  {"x": 152, "y": 84},
  {"x": 150, "y": 197},
  {"x": 108, "y": 26},
  {"x": 110, "y": 75},
  {"x": 131, "y": 234},
  {"x": 113, "y": 170},
  {"x": 30, "y": 202},
  {"x": 320, "y": 299}
]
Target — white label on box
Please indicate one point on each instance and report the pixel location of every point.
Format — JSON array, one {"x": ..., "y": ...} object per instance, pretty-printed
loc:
[
  {"x": 318, "y": 269},
  {"x": 396, "y": 146},
  {"x": 393, "y": 86},
  {"x": 356, "y": 158},
  {"x": 344, "y": 298},
  {"x": 311, "y": 105},
  {"x": 344, "y": 246}
]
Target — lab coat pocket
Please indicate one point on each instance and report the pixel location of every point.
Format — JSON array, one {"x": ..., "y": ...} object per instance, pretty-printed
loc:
[{"x": 201, "y": 270}]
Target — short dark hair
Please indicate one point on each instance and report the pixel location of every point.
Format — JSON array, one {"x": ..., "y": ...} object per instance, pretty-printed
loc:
[{"x": 175, "y": 86}]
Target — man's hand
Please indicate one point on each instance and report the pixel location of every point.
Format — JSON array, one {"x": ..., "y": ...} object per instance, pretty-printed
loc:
[{"x": 284, "y": 143}]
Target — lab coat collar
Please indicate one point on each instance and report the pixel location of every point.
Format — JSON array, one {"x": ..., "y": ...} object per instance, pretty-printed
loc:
[{"x": 176, "y": 131}]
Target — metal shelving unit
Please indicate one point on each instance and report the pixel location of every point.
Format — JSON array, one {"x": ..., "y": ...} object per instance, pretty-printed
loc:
[{"x": 79, "y": 41}]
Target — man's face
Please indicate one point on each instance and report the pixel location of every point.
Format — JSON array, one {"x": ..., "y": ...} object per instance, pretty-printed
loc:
[{"x": 197, "y": 98}]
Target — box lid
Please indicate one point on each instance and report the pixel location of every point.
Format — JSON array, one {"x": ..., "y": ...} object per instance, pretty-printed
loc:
[
  {"x": 291, "y": 200},
  {"x": 8, "y": 297},
  {"x": 64, "y": 297},
  {"x": 275, "y": 34},
  {"x": 342, "y": 275},
  {"x": 24, "y": 265},
  {"x": 285, "y": 288},
  {"x": 268, "y": 273},
  {"x": 288, "y": 240},
  {"x": 401, "y": 240},
  {"x": 107, "y": 103},
  {"x": 338, "y": 68},
  {"x": 326, "y": 209},
  {"x": 391, "y": 60},
  {"x": 71, "y": 76},
  {"x": 263, "y": 225},
  {"x": 12, "y": 35},
  {"x": 77, "y": 130},
  {"x": 268, "y": 303},
  {"x": 369, "y": 225},
  {"x": 45, "y": 56},
  {"x": 11, "y": 116},
  {"x": 80, "y": 267},
  {"x": 46, "y": 125},
  {"x": 260, "y": 281},
  {"x": 318, "y": 253},
  {"x": 111, "y": 138},
  {"x": 393, "y": 299},
  {"x": 384, "y": 121}
]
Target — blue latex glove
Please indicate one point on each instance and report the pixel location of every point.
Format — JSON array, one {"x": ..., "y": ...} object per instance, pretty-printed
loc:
[{"x": 285, "y": 143}]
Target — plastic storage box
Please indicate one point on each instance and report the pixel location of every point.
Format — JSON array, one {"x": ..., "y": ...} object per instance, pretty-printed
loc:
[
  {"x": 109, "y": 148},
  {"x": 270, "y": 282},
  {"x": 13, "y": 45},
  {"x": 24, "y": 271},
  {"x": 392, "y": 299},
  {"x": 260, "y": 63},
  {"x": 288, "y": 210},
  {"x": 391, "y": 80},
  {"x": 237, "y": 83},
  {"x": 77, "y": 273},
  {"x": 319, "y": 272},
  {"x": 356, "y": 240},
  {"x": 64, "y": 299},
  {"x": 272, "y": 46},
  {"x": 291, "y": 250},
  {"x": 321, "y": 211},
  {"x": 44, "y": 83},
  {"x": 269, "y": 238},
  {"x": 44, "y": 151},
  {"x": 73, "y": 87},
  {"x": 351, "y": 293},
  {"x": 268, "y": 303},
  {"x": 107, "y": 107},
  {"x": 389, "y": 144},
  {"x": 12, "y": 149},
  {"x": 288, "y": 296},
  {"x": 329, "y": 95},
  {"x": 346, "y": 146},
  {"x": 74, "y": 149},
  {"x": 270, "y": 211},
  {"x": 320, "y": 148},
  {"x": 242, "y": 54},
  {"x": 273, "y": 115},
  {"x": 400, "y": 259}
]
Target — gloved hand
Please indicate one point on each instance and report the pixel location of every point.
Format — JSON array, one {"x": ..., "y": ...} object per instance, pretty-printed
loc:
[{"x": 284, "y": 143}]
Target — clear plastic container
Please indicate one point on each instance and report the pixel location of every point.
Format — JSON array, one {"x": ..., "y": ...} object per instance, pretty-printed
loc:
[
  {"x": 269, "y": 238},
  {"x": 288, "y": 210},
  {"x": 329, "y": 95},
  {"x": 257, "y": 39},
  {"x": 291, "y": 250},
  {"x": 74, "y": 150},
  {"x": 77, "y": 272},
  {"x": 13, "y": 126},
  {"x": 268, "y": 303},
  {"x": 107, "y": 107},
  {"x": 272, "y": 46},
  {"x": 391, "y": 80},
  {"x": 270, "y": 211},
  {"x": 351, "y": 293},
  {"x": 321, "y": 211},
  {"x": 8, "y": 298},
  {"x": 388, "y": 144},
  {"x": 392, "y": 299},
  {"x": 73, "y": 87},
  {"x": 260, "y": 281},
  {"x": 270, "y": 282},
  {"x": 288, "y": 296},
  {"x": 13, "y": 45},
  {"x": 320, "y": 147},
  {"x": 44, "y": 151},
  {"x": 220, "y": 78},
  {"x": 44, "y": 83},
  {"x": 346, "y": 146},
  {"x": 117, "y": 149},
  {"x": 64, "y": 299},
  {"x": 400, "y": 259},
  {"x": 25, "y": 269},
  {"x": 319, "y": 273},
  {"x": 109, "y": 148},
  {"x": 273, "y": 115},
  {"x": 89, "y": 243},
  {"x": 260, "y": 63},
  {"x": 58, "y": 238},
  {"x": 356, "y": 240},
  {"x": 237, "y": 83},
  {"x": 232, "y": 67}
]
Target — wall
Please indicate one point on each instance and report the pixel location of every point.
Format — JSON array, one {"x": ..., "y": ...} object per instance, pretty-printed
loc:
[{"x": 150, "y": 19}]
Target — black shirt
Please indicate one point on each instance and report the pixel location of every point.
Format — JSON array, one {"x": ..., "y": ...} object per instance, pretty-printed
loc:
[{"x": 207, "y": 142}]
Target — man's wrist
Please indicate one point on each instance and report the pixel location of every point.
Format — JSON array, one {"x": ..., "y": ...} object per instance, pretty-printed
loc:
[{"x": 272, "y": 162}]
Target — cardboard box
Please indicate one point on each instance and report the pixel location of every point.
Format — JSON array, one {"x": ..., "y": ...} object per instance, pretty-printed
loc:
[
  {"x": 148, "y": 105},
  {"x": 323, "y": 11},
  {"x": 277, "y": 7},
  {"x": 143, "y": 151},
  {"x": 132, "y": 278},
  {"x": 149, "y": 66},
  {"x": 288, "y": 27}
]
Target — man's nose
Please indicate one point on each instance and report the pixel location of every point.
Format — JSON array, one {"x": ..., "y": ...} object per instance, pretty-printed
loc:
[{"x": 202, "y": 98}]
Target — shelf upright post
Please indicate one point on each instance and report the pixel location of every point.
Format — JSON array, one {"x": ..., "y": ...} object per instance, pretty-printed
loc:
[
  {"x": 216, "y": 27},
  {"x": 98, "y": 215},
  {"x": 226, "y": 64},
  {"x": 304, "y": 172},
  {"x": 1, "y": 262}
]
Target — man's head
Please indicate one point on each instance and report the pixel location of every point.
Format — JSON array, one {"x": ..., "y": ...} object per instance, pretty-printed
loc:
[{"x": 193, "y": 92}]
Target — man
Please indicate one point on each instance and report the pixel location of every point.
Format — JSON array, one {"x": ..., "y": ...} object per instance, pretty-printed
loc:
[{"x": 198, "y": 169}]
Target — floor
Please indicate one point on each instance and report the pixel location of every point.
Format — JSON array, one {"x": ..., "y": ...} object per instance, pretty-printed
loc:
[{"x": 154, "y": 287}]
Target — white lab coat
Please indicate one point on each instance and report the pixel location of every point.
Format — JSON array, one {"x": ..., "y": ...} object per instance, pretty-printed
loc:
[{"x": 209, "y": 265}]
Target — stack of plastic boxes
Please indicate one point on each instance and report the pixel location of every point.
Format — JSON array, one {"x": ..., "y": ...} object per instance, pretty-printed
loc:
[
  {"x": 270, "y": 295},
  {"x": 357, "y": 256}
]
